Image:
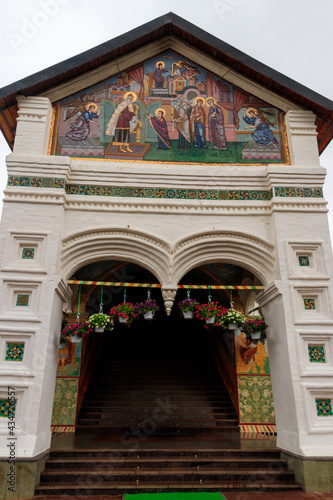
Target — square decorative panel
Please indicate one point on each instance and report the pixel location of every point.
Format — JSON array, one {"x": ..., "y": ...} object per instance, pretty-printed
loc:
[
  {"x": 317, "y": 354},
  {"x": 309, "y": 304},
  {"x": 14, "y": 351},
  {"x": 28, "y": 253},
  {"x": 324, "y": 408},
  {"x": 303, "y": 260},
  {"x": 22, "y": 300},
  {"x": 7, "y": 408}
]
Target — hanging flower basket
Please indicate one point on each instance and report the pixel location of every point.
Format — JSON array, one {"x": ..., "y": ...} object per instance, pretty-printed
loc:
[
  {"x": 187, "y": 307},
  {"x": 148, "y": 308},
  {"x": 232, "y": 319},
  {"x": 124, "y": 313},
  {"x": 101, "y": 322},
  {"x": 77, "y": 331},
  {"x": 255, "y": 329},
  {"x": 211, "y": 313}
]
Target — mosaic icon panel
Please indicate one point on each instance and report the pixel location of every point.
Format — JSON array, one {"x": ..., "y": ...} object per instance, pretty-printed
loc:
[
  {"x": 324, "y": 407},
  {"x": 28, "y": 253},
  {"x": 304, "y": 260},
  {"x": 310, "y": 304},
  {"x": 169, "y": 110},
  {"x": 22, "y": 300},
  {"x": 14, "y": 351}
]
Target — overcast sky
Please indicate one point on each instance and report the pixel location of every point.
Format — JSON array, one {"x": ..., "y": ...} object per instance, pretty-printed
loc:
[{"x": 291, "y": 36}]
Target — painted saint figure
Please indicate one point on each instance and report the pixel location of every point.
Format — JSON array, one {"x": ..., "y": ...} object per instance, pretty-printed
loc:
[
  {"x": 182, "y": 125},
  {"x": 216, "y": 125},
  {"x": 262, "y": 134},
  {"x": 161, "y": 128},
  {"x": 198, "y": 122},
  {"x": 80, "y": 129},
  {"x": 158, "y": 75},
  {"x": 122, "y": 123}
]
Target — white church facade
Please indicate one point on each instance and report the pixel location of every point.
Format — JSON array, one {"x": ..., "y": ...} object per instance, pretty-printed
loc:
[{"x": 160, "y": 156}]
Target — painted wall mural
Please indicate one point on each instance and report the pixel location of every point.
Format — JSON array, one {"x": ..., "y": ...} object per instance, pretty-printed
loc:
[{"x": 169, "y": 109}]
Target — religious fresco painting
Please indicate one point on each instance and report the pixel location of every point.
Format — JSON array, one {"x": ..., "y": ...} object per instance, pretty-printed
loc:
[{"x": 169, "y": 109}]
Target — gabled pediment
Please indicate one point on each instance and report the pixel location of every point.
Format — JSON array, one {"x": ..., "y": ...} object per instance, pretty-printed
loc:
[{"x": 168, "y": 32}]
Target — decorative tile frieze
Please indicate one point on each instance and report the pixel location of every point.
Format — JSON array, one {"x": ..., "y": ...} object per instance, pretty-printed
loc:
[
  {"x": 28, "y": 253},
  {"x": 22, "y": 300},
  {"x": 316, "y": 354},
  {"x": 7, "y": 408},
  {"x": 304, "y": 260},
  {"x": 324, "y": 407},
  {"x": 14, "y": 351},
  {"x": 309, "y": 304},
  {"x": 37, "y": 182},
  {"x": 298, "y": 192},
  {"x": 165, "y": 193}
]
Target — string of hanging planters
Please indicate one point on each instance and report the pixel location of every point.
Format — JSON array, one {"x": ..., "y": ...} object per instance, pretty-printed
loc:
[
  {"x": 214, "y": 314},
  {"x": 211, "y": 313}
]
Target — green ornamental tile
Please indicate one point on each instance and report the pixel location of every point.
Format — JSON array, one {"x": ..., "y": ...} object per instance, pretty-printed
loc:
[
  {"x": 324, "y": 407},
  {"x": 36, "y": 182},
  {"x": 149, "y": 193},
  {"x": 13, "y": 181},
  {"x": 85, "y": 190},
  {"x": 14, "y": 351},
  {"x": 159, "y": 193},
  {"x": 304, "y": 260},
  {"x": 171, "y": 193},
  {"x": 234, "y": 195},
  {"x": 47, "y": 182},
  {"x": 181, "y": 194},
  {"x": 317, "y": 353},
  {"x": 309, "y": 304},
  {"x": 307, "y": 192},
  {"x": 28, "y": 253},
  {"x": 7, "y": 408},
  {"x": 22, "y": 300}
]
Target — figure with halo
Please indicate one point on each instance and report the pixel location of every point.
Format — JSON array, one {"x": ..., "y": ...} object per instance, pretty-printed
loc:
[
  {"x": 158, "y": 74},
  {"x": 216, "y": 125},
  {"x": 198, "y": 122},
  {"x": 262, "y": 134},
  {"x": 123, "y": 122},
  {"x": 80, "y": 129},
  {"x": 161, "y": 128}
]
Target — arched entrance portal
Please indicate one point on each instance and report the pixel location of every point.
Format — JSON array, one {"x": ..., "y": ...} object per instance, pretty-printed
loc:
[{"x": 138, "y": 362}]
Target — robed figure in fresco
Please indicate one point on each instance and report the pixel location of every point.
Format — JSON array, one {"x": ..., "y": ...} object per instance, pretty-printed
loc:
[
  {"x": 262, "y": 134},
  {"x": 216, "y": 125},
  {"x": 123, "y": 122},
  {"x": 198, "y": 122},
  {"x": 80, "y": 129},
  {"x": 182, "y": 124},
  {"x": 158, "y": 75},
  {"x": 161, "y": 128}
]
